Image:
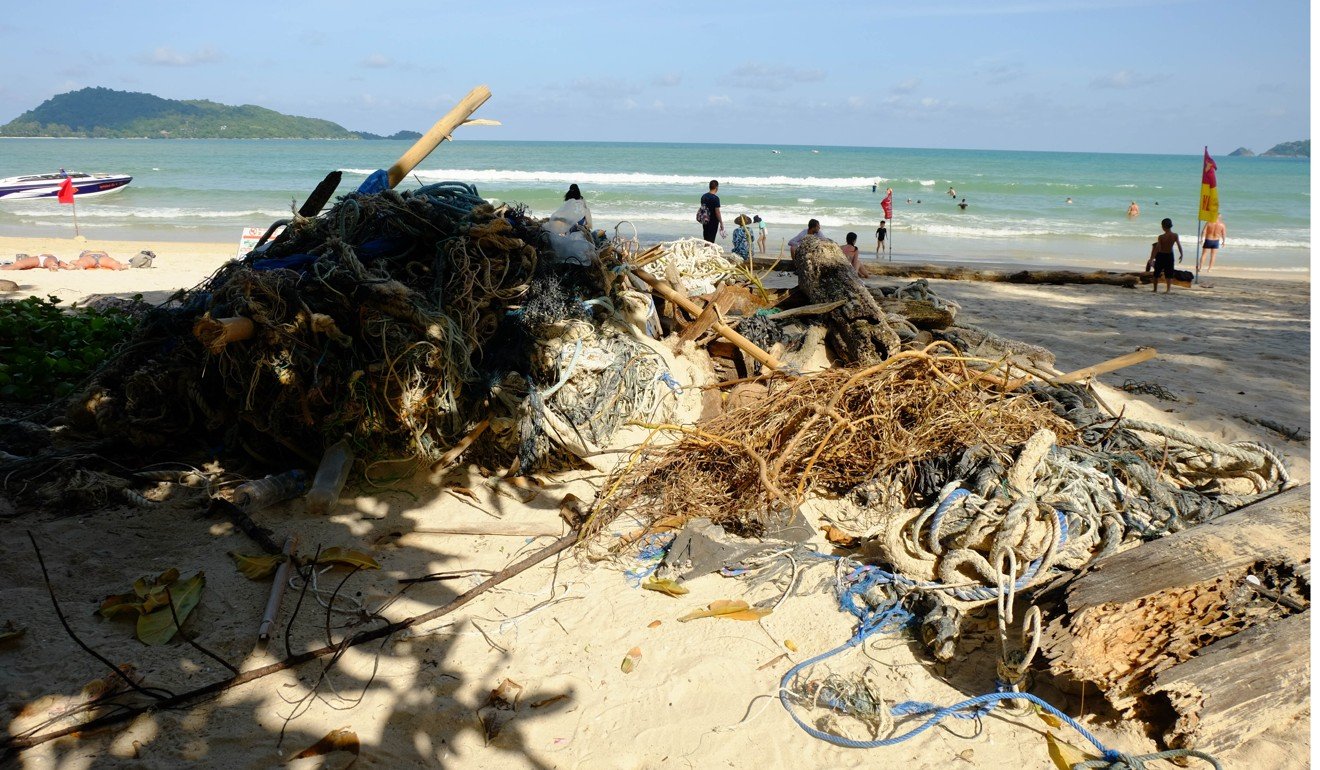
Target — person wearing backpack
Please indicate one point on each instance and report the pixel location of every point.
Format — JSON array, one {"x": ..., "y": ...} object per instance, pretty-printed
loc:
[{"x": 712, "y": 221}]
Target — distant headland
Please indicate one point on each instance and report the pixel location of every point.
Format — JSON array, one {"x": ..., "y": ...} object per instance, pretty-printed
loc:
[
  {"x": 1299, "y": 149},
  {"x": 106, "y": 113}
]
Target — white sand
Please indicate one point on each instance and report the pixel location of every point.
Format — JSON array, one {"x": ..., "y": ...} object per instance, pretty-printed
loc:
[{"x": 698, "y": 698}]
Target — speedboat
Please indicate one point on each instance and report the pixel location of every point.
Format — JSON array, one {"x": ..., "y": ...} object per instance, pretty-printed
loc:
[{"x": 48, "y": 185}]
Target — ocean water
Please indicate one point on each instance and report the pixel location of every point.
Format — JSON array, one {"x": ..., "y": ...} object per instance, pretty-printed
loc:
[{"x": 209, "y": 190}]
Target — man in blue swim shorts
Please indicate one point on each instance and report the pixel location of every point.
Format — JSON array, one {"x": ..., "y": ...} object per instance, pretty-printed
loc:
[{"x": 1215, "y": 234}]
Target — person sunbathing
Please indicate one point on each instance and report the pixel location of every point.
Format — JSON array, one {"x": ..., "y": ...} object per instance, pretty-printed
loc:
[
  {"x": 25, "y": 262},
  {"x": 94, "y": 260}
]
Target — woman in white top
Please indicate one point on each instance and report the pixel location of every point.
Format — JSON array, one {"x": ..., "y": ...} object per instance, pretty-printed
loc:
[{"x": 573, "y": 215}]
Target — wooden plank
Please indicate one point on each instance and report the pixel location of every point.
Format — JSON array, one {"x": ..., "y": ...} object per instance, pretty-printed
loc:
[
  {"x": 1139, "y": 612},
  {"x": 724, "y": 330},
  {"x": 1276, "y": 529},
  {"x": 724, "y": 298},
  {"x": 1138, "y": 356},
  {"x": 1238, "y": 687}
]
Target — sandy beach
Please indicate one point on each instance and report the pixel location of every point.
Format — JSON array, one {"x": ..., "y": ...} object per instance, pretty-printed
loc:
[{"x": 1233, "y": 363}]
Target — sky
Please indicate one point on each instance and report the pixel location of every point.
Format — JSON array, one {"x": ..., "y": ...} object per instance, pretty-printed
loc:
[{"x": 1143, "y": 76}]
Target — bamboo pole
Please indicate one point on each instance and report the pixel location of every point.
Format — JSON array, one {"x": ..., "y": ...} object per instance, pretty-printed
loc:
[
  {"x": 1113, "y": 364},
  {"x": 442, "y": 130},
  {"x": 724, "y": 330}
]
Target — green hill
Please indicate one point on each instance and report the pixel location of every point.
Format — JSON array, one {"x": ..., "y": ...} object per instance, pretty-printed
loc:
[
  {"x": 102, "y": 112},
  {"x": 1301, "y": 149}
]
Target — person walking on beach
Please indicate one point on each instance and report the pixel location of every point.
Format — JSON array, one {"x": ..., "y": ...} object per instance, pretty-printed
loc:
[
  {"x": 880, "y": 233},
  {"x": 760, "y": 232},
  {"x": 1215, "y": 235},
  {"x": 712, "y": 221},
  {"x": 1163, "y": 255}
]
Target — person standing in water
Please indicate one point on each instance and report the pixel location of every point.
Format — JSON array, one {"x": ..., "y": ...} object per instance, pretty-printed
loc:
[{"x": 1215, "y": 236}]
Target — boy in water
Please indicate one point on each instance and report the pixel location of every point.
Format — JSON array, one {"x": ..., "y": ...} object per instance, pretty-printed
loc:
[{"x": 1161, "y": 254}]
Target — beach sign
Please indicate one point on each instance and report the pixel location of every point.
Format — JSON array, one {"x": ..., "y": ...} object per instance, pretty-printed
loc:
[{"x": 251, "y": 236}]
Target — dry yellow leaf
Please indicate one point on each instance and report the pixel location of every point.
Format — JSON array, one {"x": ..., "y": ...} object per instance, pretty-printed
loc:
[
  {"x": 1065, "y": 755},
  {"x": 789, "y": 644},
  {"x": 338, "y": 555},
  {"x": 256, "y": 567},
  {"x": 630, "y": 660},
  {"x": 666, "y": 587},
  {"x": 653, "y": 624},
  {"x": 342, "y": 739},
  {"x": 733, "y": 609}
]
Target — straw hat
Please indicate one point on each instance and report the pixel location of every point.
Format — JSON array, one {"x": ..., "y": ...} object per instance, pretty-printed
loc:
[{"x": 743, "y": 219}]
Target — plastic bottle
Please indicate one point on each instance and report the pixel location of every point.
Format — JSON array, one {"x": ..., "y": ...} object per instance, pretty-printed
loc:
[
  {"x": 330, "y": 477},
  {"x": 260, "y": 493}
]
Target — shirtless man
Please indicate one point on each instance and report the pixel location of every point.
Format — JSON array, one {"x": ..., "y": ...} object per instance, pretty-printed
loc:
[
  {"x": 1215, "y": 235},
  {"x": 1163, "y": 253}
]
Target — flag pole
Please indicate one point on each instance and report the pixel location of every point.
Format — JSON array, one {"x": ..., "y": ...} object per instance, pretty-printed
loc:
[{"x": 75, "y": 219}]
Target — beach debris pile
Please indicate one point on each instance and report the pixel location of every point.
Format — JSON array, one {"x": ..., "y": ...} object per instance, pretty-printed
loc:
[{"x": 405, "y": 321}]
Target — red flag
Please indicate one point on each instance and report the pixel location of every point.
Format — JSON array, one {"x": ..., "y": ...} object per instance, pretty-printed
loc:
[
  {"x": 888, "y": 203},
  {"x": 66, "y": 191},
  {"x": 1208, "y": 169}
]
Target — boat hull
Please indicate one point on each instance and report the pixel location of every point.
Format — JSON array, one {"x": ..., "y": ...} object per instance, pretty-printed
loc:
[{"x": 88, "y": 186}]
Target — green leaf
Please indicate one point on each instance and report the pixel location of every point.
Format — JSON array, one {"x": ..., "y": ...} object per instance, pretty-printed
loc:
[{"x": 158, "y": 627}]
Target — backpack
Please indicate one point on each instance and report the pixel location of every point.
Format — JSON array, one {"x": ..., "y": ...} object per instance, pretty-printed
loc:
[
  {"x": 143, "y": 258},
  {"x": 703, "y": 214}
]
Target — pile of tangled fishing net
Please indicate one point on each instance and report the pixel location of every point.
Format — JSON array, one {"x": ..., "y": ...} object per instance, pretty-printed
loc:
[
  {"x": 952, "y": 482},
  {"x": 399, "y": 319}
]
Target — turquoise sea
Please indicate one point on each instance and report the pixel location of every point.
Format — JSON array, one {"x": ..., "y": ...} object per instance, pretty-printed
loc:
[{"x": 209, "y": 190}]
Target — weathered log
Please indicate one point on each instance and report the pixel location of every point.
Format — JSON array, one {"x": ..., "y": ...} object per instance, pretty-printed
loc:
[
  {"x": 858, "y": 331},
  {"x": 959, "y": 273},
  {"x": 1144, "y": 610},
  {"x": 923, "y": 313},
  {"x": 1240, "y": 686}
]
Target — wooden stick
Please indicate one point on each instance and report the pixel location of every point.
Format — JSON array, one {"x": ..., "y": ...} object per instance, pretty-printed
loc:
[
  {"x": 442, "y": 130},
  {"x": 461, "y": 446},
  {"x": 819, "y": 309},
  {"x": 494, "y": 528},
  {"x": 14, "y": 744},
  {"x": 1113, "y": 364},
  {"x": 724, "y": 330}
]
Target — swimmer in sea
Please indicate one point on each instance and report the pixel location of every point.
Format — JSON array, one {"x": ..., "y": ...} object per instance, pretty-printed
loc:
[
  {"x": 1133, "y": 209},
  {"x": 1215, "y": 236}
]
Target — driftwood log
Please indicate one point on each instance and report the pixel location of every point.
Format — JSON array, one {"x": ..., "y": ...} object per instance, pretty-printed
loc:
[
  {"x": 1140, "y": 621},
  {"x": 958, "y": 273},
  {"x": 858, "y": 331},
  {"x": 1239, "y": 686}
]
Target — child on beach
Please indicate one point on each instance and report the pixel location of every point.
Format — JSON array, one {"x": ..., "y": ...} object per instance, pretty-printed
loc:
[
  {"x": 760, "y": 232},
  {"x": 1161, "y": 255}
]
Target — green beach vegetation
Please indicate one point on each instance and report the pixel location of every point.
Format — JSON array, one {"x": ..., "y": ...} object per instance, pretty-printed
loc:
[{"x": 106, "y": 113}]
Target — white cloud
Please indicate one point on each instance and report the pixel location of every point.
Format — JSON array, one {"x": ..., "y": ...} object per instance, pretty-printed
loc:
[
  {"x": 766, "y": 77},
  {"x": 668, "y": 80},
  {"x": 719, "y": 100},
  {"x": 377, "y": 61},
  {"x": 856, "y": 102},
  {"x": 1124, "y": 79},
  {"x": 165, "y": 56},
  {"x": 906, "y": 86}
]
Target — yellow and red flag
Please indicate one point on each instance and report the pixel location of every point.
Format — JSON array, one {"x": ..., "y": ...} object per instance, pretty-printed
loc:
[{"x": 1209, "y": 190}]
